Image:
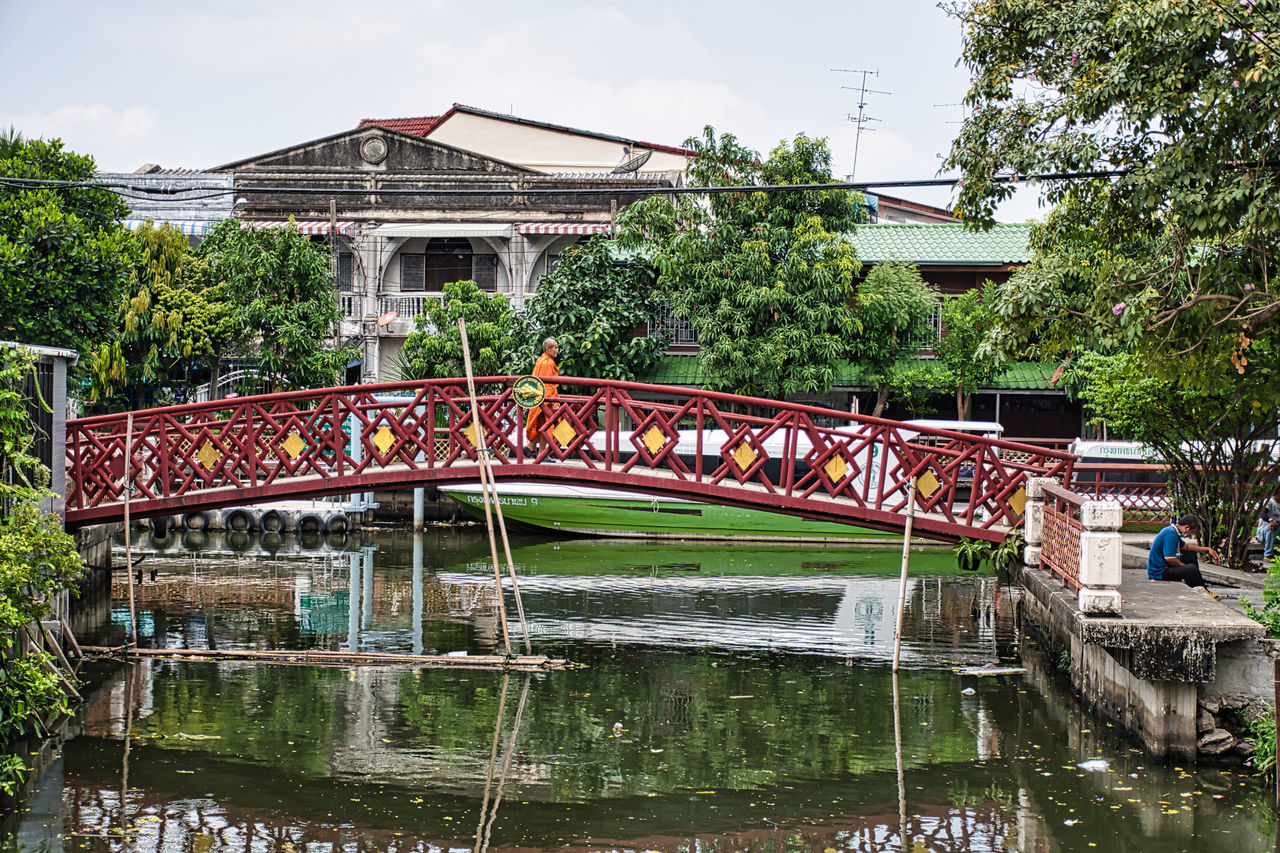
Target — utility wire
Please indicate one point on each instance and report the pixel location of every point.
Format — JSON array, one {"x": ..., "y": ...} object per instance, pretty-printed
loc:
[{"x": 565, "y": 191}]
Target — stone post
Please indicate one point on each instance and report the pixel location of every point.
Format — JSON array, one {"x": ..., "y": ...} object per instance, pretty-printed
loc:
[
  {"x": 1033, "y": 519},
  {"x": 1101, "y": 551}
]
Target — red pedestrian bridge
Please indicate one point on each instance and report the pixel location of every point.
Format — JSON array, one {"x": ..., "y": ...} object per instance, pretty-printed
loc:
[{"x": 720, "y": 448}]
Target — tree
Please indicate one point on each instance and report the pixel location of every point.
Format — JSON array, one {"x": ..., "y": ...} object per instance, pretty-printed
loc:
[
  {"x": 283, "y": 305},
  {"x": 1200, "y": 437},
  {"x": 765, "y": 279},
  {"x": 1171, "y": 260},
  {"x": 967, "y": 320},
  {"x": 893, "y": 307},
  {"x": 38, "y": 559},
  {"x": 593, "y": 305},
  {"x": 173, "y": 318},
  {"x": 64, "y": 257},
  {"x": 434, "y": 349}
]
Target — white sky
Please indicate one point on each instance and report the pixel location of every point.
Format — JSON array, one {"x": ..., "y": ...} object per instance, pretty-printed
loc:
[{"x": 198, "y": 85}]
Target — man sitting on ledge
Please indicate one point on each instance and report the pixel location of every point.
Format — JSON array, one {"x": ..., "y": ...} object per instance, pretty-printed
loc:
[{"x": 1171, "y": 559}]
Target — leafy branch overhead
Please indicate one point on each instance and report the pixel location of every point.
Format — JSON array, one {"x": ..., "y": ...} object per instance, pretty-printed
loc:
[{"x": 1179, "y": 250}]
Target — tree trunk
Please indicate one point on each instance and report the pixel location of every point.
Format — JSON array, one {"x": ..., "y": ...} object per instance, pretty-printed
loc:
[
  {"x": 882, "y": 402},
  {"x": 962, "y": 404}
]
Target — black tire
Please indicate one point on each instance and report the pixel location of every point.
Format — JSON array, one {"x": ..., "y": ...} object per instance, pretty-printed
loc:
[
  {"x": 238, "y": 520},
  {"x": 309, "y": 522},
  {"x": 337, "y": 523},
  {"x": 198, "y": 520},
  {"x": 272, "y": 521}
]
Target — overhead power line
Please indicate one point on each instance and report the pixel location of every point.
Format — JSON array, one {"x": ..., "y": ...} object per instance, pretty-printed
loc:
[{"x": 209, "y": 192}]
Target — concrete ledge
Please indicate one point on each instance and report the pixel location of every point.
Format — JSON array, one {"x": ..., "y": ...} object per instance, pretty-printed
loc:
[{"x": 1168, "y": 631}]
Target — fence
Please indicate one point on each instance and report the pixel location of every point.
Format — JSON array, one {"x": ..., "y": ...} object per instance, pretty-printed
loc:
[
  {"x": 1076, "y": 540},
  {"x": 1141, "y": 489}
]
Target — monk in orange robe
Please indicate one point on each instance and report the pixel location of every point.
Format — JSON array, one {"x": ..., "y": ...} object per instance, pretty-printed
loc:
[{"x": 544, "y": 369}]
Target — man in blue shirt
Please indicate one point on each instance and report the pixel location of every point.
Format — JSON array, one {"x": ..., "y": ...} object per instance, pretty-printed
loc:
[{"x": 1171, "y": 559}]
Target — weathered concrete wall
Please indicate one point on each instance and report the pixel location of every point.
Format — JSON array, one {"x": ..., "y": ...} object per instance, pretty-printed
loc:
[{"x": 1152, "y": 672}]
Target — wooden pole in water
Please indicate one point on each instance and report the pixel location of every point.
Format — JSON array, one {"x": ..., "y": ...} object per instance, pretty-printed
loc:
[
  {"x": 128, "y": 531},
  {"x": 481, "y": 451},
  {"x": 902, "y": 580},
  {"x": 897, "y": 751}
]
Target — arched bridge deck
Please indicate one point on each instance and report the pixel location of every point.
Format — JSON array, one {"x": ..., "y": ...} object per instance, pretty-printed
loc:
[{"x": 802, "y": 460}]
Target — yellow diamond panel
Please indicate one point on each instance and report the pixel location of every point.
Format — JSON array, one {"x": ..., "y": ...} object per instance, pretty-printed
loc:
[
  {"x": 836, "y": 468},
  {"x": 653, "y": 439},
  {"x": 294, "y": 445},
  {"x": 563, "y": 433},
  {"x": 927, "y": 484},
  {"x": 383, "y": 439},
  {"x": 1018, "y": 500},
  {"x": 470, "y": 433},
  {"x": 208, "y": 455},
  {"x": 744, "y": 455}
]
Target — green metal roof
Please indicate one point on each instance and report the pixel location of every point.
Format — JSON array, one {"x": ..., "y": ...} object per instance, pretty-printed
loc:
[
  {"x": 684, "y": 369},
  {"x": 942, "y": 243}
]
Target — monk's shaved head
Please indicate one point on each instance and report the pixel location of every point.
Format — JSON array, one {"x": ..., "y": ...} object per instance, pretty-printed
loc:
[{"x": 548, "y": 344}]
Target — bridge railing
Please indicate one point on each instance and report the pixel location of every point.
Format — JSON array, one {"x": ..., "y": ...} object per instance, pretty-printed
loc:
[
  {"x": 705, "y": 445},
  {"x": 1076, "y": 540},
  {"x": 1141, "y": 489}
]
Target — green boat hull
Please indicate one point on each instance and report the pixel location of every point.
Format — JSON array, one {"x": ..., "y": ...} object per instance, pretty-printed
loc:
[{"x": 653, "y": 517}]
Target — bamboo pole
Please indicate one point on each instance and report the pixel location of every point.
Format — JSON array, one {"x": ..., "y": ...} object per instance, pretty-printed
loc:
[
  {"x": 493, "y": 760},
  {"x": 488, "y": 491},
  {"x": 902, "y": 580},
  {"x": 128, "y": 531},
  {"x": 897, "y": 752}
]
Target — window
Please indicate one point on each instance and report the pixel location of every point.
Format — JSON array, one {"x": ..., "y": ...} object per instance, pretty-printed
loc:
[
  {"x": 484, "y": 272},
  {"x": 930, "y": 337},
  {"x": 413, "y": 270},
  {"x": 444, "y": 261},
  {"x": 680, "y": 330},
  {"x": 346, "y": 271}
]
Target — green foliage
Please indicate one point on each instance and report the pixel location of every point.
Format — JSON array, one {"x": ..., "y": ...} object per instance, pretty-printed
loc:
[
  {"x": 283, "y": 304},
  {"x": 1262, "y": 729},
  {"x": 893, "y": 305},
  {"x": 972, "y": 553},
  {"x": 434, "y": 349},
  {"x": 1269, "y": 616},
  {"x": 766, "y": 279},
  {"x": 914, "y": 387},
  {"x": 1009, "y": 552},
  {"x": 64, "y": 258},
  {"x": 37, "y": 560},
  {"x": 1176, "y": 257},
  {"x": 1064, "y": 660},
  {"x": 1213, "y": 444},
  {"x": 174, "y": 316},
  {"x": 593, "y": 305},
  {"x": 966, "y": 321}
]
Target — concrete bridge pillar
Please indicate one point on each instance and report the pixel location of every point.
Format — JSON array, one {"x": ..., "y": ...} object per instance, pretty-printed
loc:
[
  {"x": 1101, "y": 554},
  {"x": 1033, "y": 519}
]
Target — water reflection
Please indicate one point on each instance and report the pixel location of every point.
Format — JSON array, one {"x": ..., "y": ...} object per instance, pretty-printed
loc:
[
  {"x": 742, "y": 706},
  {"x": 438, "y": 596}
]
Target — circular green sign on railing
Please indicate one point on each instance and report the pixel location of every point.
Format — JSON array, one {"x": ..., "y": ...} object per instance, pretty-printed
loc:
[{"x": 528, "y": 391}]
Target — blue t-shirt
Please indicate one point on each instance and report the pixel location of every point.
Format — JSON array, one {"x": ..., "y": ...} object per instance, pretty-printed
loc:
[{"x": 1166, "y": 544}]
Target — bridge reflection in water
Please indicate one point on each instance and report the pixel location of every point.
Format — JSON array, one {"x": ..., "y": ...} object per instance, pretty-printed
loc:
[
  {"x": 660, "y": 741},
  {"x": 431, "y": 594}
]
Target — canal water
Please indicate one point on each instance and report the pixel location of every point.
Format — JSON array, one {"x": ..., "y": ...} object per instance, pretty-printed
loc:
[{"x": 719, "y": 698}]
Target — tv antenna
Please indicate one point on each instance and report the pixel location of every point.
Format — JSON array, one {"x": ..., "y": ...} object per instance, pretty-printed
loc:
[{"x": 861, "y": 120}]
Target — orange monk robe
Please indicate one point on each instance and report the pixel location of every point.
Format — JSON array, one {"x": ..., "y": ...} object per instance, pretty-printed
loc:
[{"x": 543, "y": 369}]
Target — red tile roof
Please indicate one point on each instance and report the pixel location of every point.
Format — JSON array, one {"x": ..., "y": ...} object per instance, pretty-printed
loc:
[{"x": 413, "y": 125}]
